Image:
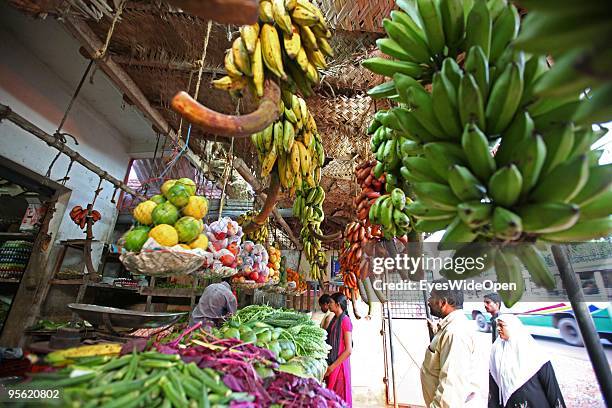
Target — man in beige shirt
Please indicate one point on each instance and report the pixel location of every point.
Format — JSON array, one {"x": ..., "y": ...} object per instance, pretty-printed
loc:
[{"x": 448, "y": 377}]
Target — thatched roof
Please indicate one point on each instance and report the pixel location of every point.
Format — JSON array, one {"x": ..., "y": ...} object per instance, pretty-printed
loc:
[{"x": 160, "y": 47}]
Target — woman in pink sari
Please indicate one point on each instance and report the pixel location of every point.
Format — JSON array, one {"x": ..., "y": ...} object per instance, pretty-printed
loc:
[{"x": 339, "y": 337}]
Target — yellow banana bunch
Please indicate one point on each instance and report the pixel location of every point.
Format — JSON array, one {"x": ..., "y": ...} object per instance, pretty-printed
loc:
[
  {"x": 303, "y": 31},
  {"x": 259, "y": 236},
  {"x": 293, "y": 144}
]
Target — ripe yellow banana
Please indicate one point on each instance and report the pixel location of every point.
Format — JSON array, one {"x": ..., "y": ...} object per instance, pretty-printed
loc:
[
  {"x": 268, "y": 163},
  {"x": 292, "y": 42},
  {"x": 316, "y": 58},
  {"x": 281, "y": 17},
  {"x": 295, "y": 158},
  {"x": 309, "y": 39},
  {"x": 265, "y": 12},
  {"x": 228, "y": 83},
  {"x": 249, "y": 35},
  {"x": 302, "y": 60},
  {"x": 271, "y": 51},
  {"x": 312, "y": 74},
  {"x": 304, "y": 159},
  {"x": 303, "y": 16},
  {"x": 241, "y": 57},
  {"x": 258, "y": 69},
  {"x": 230, "y": 66},
  {"x": 324, "y": 46}
]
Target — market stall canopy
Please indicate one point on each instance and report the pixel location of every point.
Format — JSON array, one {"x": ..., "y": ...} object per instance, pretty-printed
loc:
[{"x": 160, "y": 46}]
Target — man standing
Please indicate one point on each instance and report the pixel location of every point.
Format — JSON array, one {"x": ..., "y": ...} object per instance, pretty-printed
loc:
[
  {"x": 324, "y": 302},
  {"x": 217, "y": 302},
  {"x": 448, "y": 373},
  {"x": 492, "y": 303}
]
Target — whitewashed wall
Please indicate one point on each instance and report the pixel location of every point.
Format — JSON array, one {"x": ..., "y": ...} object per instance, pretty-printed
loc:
[{"x": 34, "y": 91}]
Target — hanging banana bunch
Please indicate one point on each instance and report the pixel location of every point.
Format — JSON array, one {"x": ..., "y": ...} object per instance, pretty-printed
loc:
[
  {"x": 578, "y": 38},
  {"x": 259, "y": 236},
  {"x": 292, "y": 146},
  {"x": 543, "y": 182},
  {"x": 289, "y": 42},
  {"x": 308, "y": 208}
]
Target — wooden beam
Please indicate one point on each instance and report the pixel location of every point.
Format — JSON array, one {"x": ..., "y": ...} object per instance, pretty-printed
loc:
[
  {"x": 242, "y": 169},
  {"x": 169, "y": 65},
  {"x": 92, "y": 44},
  {"x": 239, "y": 12},
  {"x": 7, "y": 113}
]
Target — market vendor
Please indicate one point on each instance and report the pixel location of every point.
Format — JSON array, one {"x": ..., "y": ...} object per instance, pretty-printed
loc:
[{"x": 216, "y": 303}]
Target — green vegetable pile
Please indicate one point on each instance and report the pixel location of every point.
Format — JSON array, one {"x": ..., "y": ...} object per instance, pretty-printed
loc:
[
  {"x": 293, "y": 337},
  {"x": 137, "y": 379}
]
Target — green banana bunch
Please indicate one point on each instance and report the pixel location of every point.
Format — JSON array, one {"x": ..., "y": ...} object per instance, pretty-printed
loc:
[
  {"x": 578, "y": 39},
  {"x": 259, "y": 236},
  {"x": 497, "y": 149},
  {"x": 390, "y": 211},
  {"x": 308, "y": 208},
  {"x": 290, "y": 41},
  {"x": 292, "y": 146}
]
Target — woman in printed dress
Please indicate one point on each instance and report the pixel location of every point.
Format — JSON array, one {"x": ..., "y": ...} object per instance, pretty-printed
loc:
[
  {"x": 339, "y": 337},
  {"x": 521, "y": 375}
]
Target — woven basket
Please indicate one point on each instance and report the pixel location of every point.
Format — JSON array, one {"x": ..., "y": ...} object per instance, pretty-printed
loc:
[{"x": 161, "y": 263}]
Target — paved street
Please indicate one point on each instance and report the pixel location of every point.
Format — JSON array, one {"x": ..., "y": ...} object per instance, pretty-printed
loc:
[{"x": 573, "y": 369}]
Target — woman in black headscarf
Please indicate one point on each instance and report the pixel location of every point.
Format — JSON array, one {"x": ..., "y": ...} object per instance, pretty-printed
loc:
[{"x": 339, "y": 337}]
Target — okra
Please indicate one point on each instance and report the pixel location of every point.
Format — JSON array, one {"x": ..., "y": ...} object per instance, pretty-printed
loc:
[
  {"x": 132, "y": 367},
  {"x": 216, "y": 387},
  {"x": 92, "y": 403},
  {"x": 122, "y": 401},
  {"x": 116, "y": 363},
  {"x": 93, "y": 361},
  {"x": 166, "y": 404},
  {"x": 124, "y": 387},
  {"x": 141, "y": 373},
  {"x": 75, "y": 380},
  {"x": 159, "y": 356},
  {"x": 204, "y": 402},
  {"x": 152, "y": 379},
  {"x": 176, "y": 378},
  {"x": 191, "y": 389},
  {"x": 171, "y": 394},
  {"x": 213, "y": 374},
  {"x": 152, "y": 363},
  {"x": 217, "y": 399},
  {"x": 119, "y": 374}
]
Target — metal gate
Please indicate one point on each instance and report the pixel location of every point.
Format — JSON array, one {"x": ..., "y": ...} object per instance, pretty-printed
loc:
[{"x": 404, "y": 333}]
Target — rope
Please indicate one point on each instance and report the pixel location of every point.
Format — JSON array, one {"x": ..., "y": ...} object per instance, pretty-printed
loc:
[
  {"x": 66, "y": 177},
  {"x": 195, "y": 96},
  {"x": 102, "y": 52},
  {"x": 228, "y": 168},
  {"x": 97, "y": 192},
  {"x": 74, "y": 96}
]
